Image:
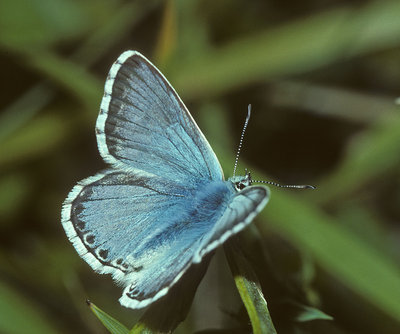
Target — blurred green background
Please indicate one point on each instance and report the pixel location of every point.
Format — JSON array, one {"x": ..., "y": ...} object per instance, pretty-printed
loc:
[{"x": 322, "y": 77}]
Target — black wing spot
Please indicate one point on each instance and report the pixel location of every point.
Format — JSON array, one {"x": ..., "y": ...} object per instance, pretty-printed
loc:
[
  {"x": 90, "y": 238},
  {"x": 80, "y": 225},
  {"x": 103, "y": 253}
]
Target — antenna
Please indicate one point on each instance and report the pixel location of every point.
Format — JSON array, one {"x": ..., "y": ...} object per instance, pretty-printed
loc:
[
  {"x": 301, "y": 186},
  {"x": 241, "y": 138}
]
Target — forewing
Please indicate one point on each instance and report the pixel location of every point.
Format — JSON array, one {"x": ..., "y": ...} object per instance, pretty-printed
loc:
[{"x": 144, "y": 125}]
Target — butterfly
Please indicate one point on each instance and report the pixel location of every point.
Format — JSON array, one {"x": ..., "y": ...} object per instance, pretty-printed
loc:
[{"x": 162, "y": 204}]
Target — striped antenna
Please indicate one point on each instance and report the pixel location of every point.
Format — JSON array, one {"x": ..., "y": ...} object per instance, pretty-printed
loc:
[
  {"x": 301, "y": 186},
  {"x": 241, "y": 138}
]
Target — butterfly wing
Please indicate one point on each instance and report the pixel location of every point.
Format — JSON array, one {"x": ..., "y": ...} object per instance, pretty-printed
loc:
[
  {"x": 239, "y": 213},
  {"x": 144, "y": 125},
  {"x": 235, "y": 213},
  {"x": 146, "y": 232}
]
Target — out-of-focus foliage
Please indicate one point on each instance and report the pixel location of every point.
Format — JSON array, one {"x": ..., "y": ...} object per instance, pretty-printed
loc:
[{"x": 322, "y": 77}]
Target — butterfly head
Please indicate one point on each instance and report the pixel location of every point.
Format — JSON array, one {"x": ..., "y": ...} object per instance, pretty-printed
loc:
[{"x": 241, "y": 181}]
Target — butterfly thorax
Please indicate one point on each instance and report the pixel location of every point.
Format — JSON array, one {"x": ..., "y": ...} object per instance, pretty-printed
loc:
[{"x": 211, "y": 198}]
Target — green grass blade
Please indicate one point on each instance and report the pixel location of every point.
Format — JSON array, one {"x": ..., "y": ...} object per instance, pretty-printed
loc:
[
  {"x": 74, "y": 78},
  {"x": 141, "y": 328},
  {"x": 46, "y": 132},
  {"x": 263, "y": 54},
  {"x": 36, "y": 98},
  {"x": 311, "y": 313},
  {"x": 341, "y": 253},
  {"x": 113, "y": 325},
  {"x": 112, "y": 31},
  {"x": 249, "y": 289},
  {"x": 23, "y": 109},
  {"x": 297, "y": 47},
  {"x": 348, "y": 105},
  {"x": 374, "y": 153}
]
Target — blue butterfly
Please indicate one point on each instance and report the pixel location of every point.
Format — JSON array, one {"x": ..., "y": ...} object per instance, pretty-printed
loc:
[{"x": 163, "y": 203}]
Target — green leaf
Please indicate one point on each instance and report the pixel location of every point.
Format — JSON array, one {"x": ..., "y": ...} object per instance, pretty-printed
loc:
[
  {"x": 310, "y": 313},
  {"x": 249, "y": 289},
  {"x": 113, "y": 325},
  {"x": 20, "y": 316},
  {"x": 300, "y": 46}
]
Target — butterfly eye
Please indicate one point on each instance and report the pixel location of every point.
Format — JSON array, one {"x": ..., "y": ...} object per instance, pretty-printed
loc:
[{"x": 239, "y": 185}]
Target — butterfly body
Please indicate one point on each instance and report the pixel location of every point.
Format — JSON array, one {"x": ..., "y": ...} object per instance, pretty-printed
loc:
[{"x": 163, "y": 204}]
